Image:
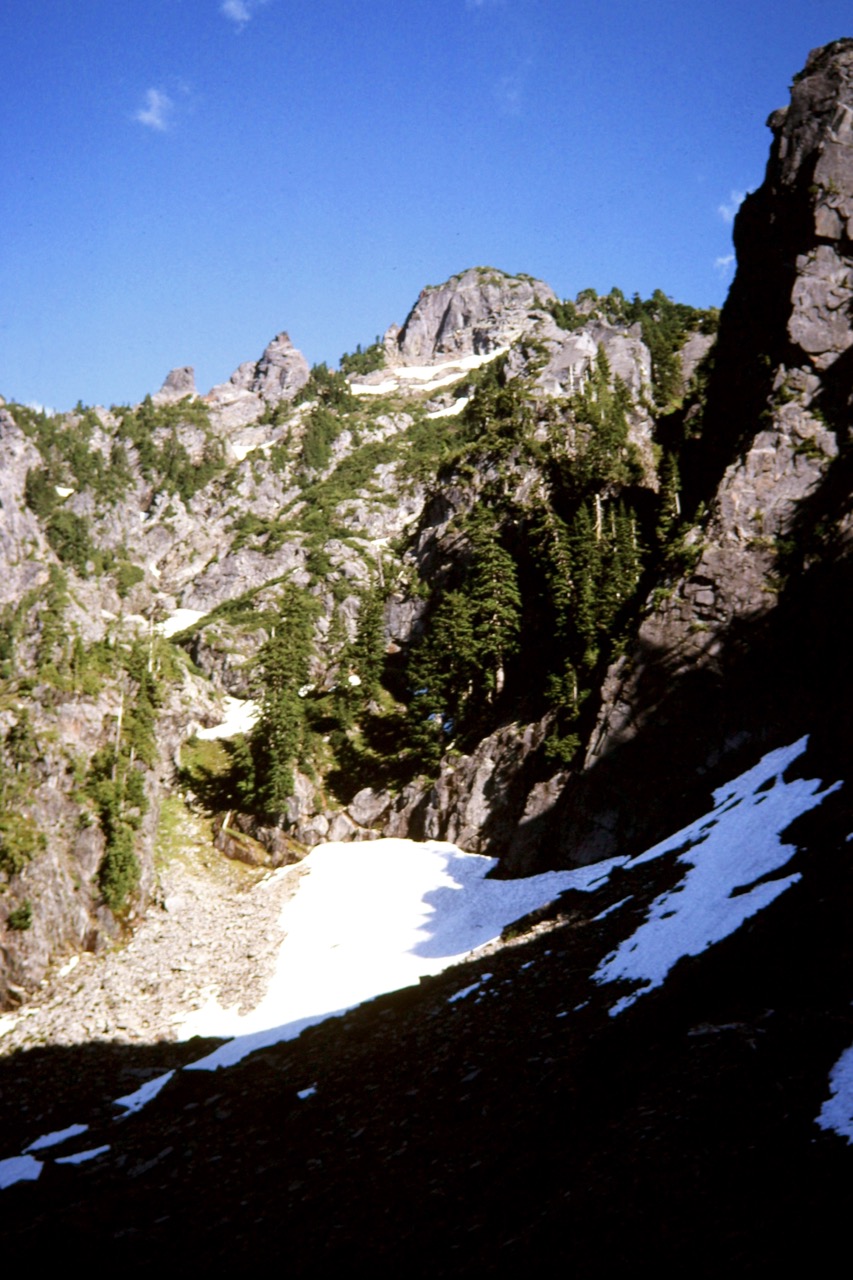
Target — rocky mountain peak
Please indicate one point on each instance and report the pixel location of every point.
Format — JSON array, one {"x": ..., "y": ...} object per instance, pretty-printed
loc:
[
  {"x": 178, "y": 384},
  {"x": 277, "y": 376},
  {"x": 473, "y": 313},
  {"x": 281, "y": 372}
]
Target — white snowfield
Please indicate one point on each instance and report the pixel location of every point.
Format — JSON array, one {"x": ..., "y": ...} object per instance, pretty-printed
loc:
[
  {"x": 426, "y": 377},
  {"x": 178, "y": 621},
  {"x": 735, "y": 846},
  {"x": 837, "y": 1112},
  {"x": 452, "y": 410},
  {"x": 240, "y": 715},
  {"x": 372, "y": 917},
  {"x": 369, "y": 918}
]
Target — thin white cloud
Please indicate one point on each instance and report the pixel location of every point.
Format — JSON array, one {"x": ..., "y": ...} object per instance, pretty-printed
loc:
[
  {"x": 240, "y": 11},
  {"x": 157, "y": 112},
  {"x": 237, "y": 10},
  {"x": 727, "y": 211},
  {"x": 724, "y": 264}
]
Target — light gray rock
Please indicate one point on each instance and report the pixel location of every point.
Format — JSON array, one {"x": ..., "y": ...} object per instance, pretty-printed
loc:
[
  {"x": 281, "y": 372},
  {"x": 474, "y": 313},
  {"x": 238, "y": 572},
  {"x": 367, "y": 806},
  {"x": 179, "y": 384},
  {"x": 692, "y": 354},
  {"x": 279, "y": 375},
  {"x": 24, "y": 553}
]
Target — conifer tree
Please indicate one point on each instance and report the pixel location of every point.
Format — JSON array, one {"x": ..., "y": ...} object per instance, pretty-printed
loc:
[
  {"x": 496, "y": 602},
  {"x": 442, "y": 672},
  {"x": 368, "y": 652},
  {"x": 669, "y": 503},
  {"x": 284, "y": 662}
]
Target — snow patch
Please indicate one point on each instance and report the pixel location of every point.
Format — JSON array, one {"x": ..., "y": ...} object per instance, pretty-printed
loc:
[
  {"x": 608, "y": 911},
  {"x": 734, "y": 847},
  {"x": 179, "y": 621},
  {"x": 240, "y": 716},
  {"x": 82, "y": 1156},
  {"x": 837, "y": 1112},
  {"x": 56, "y": 1138},
  {"x": 19, "y": 1169},
  {"x": 452, "y": 410},
  {"x": 242, "y": 451},
  {"x": 133, "y": 1102},
  {"x": 425, "y": 376},
  {"x": 466, "y": 991},
  {"x": 371, "y": 917}
]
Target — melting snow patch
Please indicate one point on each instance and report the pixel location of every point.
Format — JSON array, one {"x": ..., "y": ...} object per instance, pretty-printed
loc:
[
  {"x": 452, "y": 410},
  {"x": 82, "y": 1156},
  {"x": 240, "y": 715},
  {"x": 460, "y": 995},
  {"x": 466, "y": 991},
  {"x": 730, "y": 852},
  {"x": 615, "y": 907},
  {"x": 372, "y": 917},
  {"x": 60, "y": 1136},
  {"x": 428, "y": 376},
  {"x": 19, "y": 1169},
  {"x": 179, "y": 621},
  {"x": 837, "y": 1112},
  {"x": 133, "y": 1102}
]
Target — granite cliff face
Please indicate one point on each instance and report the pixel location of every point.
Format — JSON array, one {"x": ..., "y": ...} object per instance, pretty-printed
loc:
[
  {"x": 563, "y": 565},
  {"x": 739, "y": 650},
  {"x": 474, "y": 313}
]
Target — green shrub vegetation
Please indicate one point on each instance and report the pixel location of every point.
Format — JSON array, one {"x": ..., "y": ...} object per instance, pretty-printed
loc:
[
  {"x": 366, "y": 361},
  {"x": 21, "y": 918},
  {"x": 20, "y": 841}
]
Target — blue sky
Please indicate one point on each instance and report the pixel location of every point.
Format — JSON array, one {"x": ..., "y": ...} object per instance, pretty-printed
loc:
[{"x": 182, "y": 179}]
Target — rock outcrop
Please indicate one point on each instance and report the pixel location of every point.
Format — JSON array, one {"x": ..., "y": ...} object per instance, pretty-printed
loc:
[
  {"x": 23, "y": 549},
  {"x": 179, "y": 384},
  {"x": 736, "y": 653},
  {"x": 279, "y": 375},
  {"x": 473, "y": 313}
]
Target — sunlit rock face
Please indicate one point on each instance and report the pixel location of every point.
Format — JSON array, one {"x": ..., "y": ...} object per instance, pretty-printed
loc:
[
  {"x": 178, "y": 384},
  {"x": 279, "y": 375},
  {"x": 473, "y": 313}
]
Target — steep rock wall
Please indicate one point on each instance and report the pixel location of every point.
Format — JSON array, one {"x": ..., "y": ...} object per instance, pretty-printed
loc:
[{"x": 738, "y": 652}]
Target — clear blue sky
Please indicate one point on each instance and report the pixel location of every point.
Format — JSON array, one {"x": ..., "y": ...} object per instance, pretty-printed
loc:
[{"x": 181, "y": 179}]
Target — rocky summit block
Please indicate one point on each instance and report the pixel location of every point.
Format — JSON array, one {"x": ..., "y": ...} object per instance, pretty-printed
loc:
[
  {"x": 279, "y": 375},
  {"x": 474, "y": 313},
  {"x": 178, "y": 384}
]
